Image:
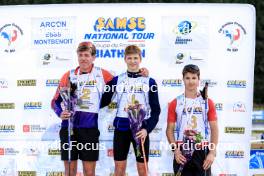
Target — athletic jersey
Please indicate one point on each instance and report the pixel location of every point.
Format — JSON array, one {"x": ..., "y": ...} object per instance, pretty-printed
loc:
[
  {"x": 89, "y": 91},
  {"x": 128, "y": 86},
  {"x": 131, "y": 86},
  {"x": 190, "y": 113}
]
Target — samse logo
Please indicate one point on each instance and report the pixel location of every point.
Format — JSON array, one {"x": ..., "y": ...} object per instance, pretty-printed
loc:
[{"x": 120, "y": 24}]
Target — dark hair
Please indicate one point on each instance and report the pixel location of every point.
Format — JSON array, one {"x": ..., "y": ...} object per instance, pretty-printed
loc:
[
  {"x": 191, "y": 68},
  {"x": 87, "y": 46},
  {"x": 132, "y": 49}
]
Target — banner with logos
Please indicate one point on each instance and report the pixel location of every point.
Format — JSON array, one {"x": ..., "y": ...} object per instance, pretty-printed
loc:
[{"x": 38, "y": 47}]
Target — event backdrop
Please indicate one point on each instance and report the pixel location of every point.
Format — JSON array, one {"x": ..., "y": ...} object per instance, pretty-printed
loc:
[{"x": 38, "y": 44}]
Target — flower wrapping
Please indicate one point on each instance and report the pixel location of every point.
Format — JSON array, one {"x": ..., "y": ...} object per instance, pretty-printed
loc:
[
  {"x": 69, "y": 99},
  {"x": 136, "y": 115},
  {"x": 190, "y": 137}
]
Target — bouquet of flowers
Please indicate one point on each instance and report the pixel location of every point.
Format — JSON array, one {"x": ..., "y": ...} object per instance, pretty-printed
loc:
[
  {"x": 69, "y": 99},
  {"x": 136, "y": 115},
  {"x": 191, "y": 137}
]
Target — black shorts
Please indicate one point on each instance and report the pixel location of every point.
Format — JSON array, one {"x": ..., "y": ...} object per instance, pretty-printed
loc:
[
  {"x": 195, "y": 166},
  {"x": 85, "y": 144},
  {"x": 122, "y": 141}
]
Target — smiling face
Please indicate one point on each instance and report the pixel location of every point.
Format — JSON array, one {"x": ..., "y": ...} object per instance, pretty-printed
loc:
[
  {"x": 85, "y": 60},
  {"x": 133, "y": 58},
  {"x": 86, "y": 55},
  {"x": 191, "y": 81},
  {"x": 133, "y": 62}
]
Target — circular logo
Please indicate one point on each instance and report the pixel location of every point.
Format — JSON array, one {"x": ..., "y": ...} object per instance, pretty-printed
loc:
[
  {"x": 186, "y": 27},
  {"x": 10, "y": 35},
  {"x": 180, "y": 56}
]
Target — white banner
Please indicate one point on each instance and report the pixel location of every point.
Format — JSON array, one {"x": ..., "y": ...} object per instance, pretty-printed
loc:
[{"x": 38, "y": 44}]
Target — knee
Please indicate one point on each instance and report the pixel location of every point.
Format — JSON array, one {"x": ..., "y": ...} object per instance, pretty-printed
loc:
[
  {"x": 142, "y": 172},
  {"x": 89, "y": 173},
  {"x": 141, "y": 169},
  {"x": 73, "y": 172},
  {"x": 120, "y": 171}
]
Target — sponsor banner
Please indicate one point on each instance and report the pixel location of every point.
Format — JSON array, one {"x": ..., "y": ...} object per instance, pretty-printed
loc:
[
  {"x": 7, "y": 128},
  {"x": 112, "y": 34},
  {"x": 239, "y": 107},
  {"x": 233, "y": 34},
  {"x": 8, "y": 151},
  {"x": 27, "y": 173},
  {"x": 55, "y": 174},
  {"x": 235, "y": 130},
  {"x": 7, "y": 105},
  {"x": 11, "y": 37},
  {"x": 256, "y": 159},
  {"x": 26, "y": 82},
  {"x": 219, "y": 106},
  {"x": 33, "y": 105},
  {"x": 236, "y": 83},
  {"x": 154, "y": 153},
  {"x": 54, "y": 38},
  {"x": 184, "y": 57},
  {"x": 52, "y": 82},
  {"x": 258, "y": 117},
  {"x": 172, "y": 82},
  {"x": 211, "y": 83},
  {"x": 169, "y": 40},
  {"x": 184, "y": 40},
  {"x": 34, "y": 128},
  {"x": 53, "y": 152},
  {"x": 234, "y": 154},
  {"x": 3, "y": 83},
  {"x": 31, "y": 151},
  {"x": 184, "y": 32},
  {"x": 257, "y": 134},
  {"x": 53, "y": 32},
  {"x": 55, "y": 58}
]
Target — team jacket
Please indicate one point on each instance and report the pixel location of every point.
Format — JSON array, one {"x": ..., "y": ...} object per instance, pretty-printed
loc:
[
  {"x": 146, "y": 93},
  {"x": 89, "y": 91}
]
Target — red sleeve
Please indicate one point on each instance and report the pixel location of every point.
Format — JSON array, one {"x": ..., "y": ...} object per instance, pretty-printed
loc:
[
  {"x": 65, "y": 79},
  {"x": 172, "y": 116},
  {"x": 107, "y": 76},
  {"x": 212, "y": 112}
]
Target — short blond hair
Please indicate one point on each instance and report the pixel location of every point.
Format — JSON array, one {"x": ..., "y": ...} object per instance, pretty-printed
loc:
[{"x": 132, "y": 49}]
